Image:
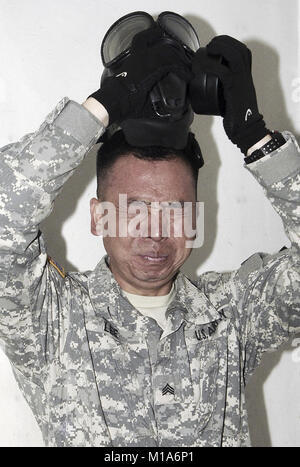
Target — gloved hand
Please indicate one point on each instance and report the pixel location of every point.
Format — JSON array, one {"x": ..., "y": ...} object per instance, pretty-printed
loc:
[
  {"x": 243, "y": 123},
  {"x": 124, "y": 95}
]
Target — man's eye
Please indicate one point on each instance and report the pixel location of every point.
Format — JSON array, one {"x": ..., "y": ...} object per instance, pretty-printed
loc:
[
  {"x": 137, "y": 208},
  {"x": 174, "y": 205},
  {"x": 137, "y": 205}
]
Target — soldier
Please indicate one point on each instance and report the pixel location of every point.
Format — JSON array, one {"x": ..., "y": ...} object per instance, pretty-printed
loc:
[{"x": 134, "y": 353}]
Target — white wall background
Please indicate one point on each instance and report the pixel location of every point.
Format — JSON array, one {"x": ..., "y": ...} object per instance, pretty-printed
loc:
[{"x": 49, "y": 49}]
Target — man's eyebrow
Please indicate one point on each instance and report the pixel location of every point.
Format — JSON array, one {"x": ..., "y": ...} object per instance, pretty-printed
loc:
[
  {"x": 136, "y": 199},
  {"x": 130, "y": 200}
]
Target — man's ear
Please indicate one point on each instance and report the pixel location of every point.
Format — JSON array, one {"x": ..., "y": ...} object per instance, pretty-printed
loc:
[{"x": 95, "y": 215}]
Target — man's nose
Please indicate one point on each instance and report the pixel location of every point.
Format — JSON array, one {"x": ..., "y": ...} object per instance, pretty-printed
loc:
[
  {"x": 157, "y": 237},
  {"x": 156, "y": 228}
]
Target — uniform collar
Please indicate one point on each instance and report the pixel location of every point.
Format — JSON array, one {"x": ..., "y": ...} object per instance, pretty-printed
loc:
[
  {"x": 199, "y": 308},
  {"x": 190, "y": 303}
]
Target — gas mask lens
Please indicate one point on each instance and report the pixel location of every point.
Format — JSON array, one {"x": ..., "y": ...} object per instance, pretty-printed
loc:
[
  {"x": 179, "y": 29},
  {"x": 118, "y": 39}
]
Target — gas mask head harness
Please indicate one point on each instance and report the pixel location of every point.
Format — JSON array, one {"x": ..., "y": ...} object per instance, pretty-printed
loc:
[{"x": 169, "y": 113}]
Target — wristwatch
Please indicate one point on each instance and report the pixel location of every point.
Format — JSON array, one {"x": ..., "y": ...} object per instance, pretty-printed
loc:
[{"x": 275, "y": 143}]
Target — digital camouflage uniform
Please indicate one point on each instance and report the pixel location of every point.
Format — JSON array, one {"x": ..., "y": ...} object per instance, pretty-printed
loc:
[{"x": 94, "y": 370}]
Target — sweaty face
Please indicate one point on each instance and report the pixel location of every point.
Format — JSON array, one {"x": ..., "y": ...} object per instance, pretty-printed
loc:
[{"x": 145, "y": 261}]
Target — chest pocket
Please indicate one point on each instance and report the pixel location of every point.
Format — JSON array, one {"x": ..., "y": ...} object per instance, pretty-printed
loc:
[
  {"x": 208, "y": 363},
  {"x": 121, "y": 376}
]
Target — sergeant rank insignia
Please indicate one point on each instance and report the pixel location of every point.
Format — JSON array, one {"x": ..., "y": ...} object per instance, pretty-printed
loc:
[{"x": 168, "y": 390}]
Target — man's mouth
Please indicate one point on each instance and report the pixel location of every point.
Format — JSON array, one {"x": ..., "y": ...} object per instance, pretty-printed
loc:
[{"x": 155, "y": 259}]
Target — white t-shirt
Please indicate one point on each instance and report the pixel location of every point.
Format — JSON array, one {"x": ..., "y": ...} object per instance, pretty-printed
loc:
[{"x": 154, "y": 307}]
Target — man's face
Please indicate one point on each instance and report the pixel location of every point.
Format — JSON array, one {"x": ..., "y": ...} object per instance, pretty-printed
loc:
[{"x": 145, "y": 263}]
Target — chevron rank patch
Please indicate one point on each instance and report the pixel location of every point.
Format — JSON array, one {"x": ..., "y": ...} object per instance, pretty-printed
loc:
[{"x": 59, "y": 268}]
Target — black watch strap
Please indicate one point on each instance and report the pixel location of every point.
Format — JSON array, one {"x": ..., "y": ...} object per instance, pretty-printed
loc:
[{"x": 275, "y": 143}]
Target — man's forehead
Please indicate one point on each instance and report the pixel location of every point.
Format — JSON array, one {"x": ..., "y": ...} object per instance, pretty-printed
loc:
[{"x": 149, "y": 180}]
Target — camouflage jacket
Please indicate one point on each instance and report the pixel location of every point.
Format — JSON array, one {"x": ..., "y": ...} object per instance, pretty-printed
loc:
[{"x": 96, "y": 372}]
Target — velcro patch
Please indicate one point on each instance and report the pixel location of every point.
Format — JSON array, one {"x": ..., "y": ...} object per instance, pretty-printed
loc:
[{"x": 59, "y": 268}]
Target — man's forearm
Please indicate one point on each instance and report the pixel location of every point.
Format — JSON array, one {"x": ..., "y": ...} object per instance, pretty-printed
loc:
[
  {"x": 278, "y": 173},
  {"x": 41, "y": 163}
]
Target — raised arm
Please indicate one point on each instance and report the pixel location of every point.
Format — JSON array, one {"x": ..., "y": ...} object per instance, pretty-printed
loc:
[
  {"x": 32, "y": 173},
  {"x": 262, "y": 297}
]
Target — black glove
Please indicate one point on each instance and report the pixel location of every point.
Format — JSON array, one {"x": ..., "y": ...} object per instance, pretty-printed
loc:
[
  {"x": 124, "y": 95},
  {"x": 243, "y": 123}
]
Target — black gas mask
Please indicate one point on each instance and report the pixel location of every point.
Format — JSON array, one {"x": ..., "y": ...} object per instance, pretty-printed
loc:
[{"x": 169, "y": 114}]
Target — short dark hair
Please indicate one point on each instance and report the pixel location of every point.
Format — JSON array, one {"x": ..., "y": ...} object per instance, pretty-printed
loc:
[{"x": 116, "y": 146}]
